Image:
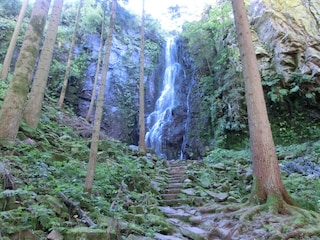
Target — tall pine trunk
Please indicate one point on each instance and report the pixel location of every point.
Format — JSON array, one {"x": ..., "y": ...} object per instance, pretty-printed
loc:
[
  {"x": 142, "y": 144},
  {"x": 33, "y": 109},
  {"x": 267, "y": 180},
  {"x": 99, "y": 108},
  {"x": 96, "y": 76},
  {"x": 16, "y": 95},
  {"x": 68, "y": 67},
  {"x": 13, "y": 42}
]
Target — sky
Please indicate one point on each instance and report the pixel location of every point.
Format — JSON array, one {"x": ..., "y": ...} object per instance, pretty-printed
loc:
[{"x": 158, "y": 9}]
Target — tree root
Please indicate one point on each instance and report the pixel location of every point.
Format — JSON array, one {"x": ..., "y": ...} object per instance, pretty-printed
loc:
[
  {"x": 249, "y": 212},
  {"x": 303, "y": 233},
  {"x": 222, "y": 208},
  {"x": 267, "y": 221},
  {"x": 81, "y": 212}
]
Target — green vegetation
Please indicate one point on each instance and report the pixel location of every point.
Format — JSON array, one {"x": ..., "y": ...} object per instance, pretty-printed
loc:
[
  {"x": 231, "y": 171},
  {"x": 211, "y": 43},
  {"x": 51, "y": 162},
  {"x": 42, "y": 174},
  {"x": 292, "y": 101},
  {"x": 36, "y": 172}
]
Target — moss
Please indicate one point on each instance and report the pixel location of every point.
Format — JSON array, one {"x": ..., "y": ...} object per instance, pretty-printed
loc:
[{"x": 84, "y": 233}]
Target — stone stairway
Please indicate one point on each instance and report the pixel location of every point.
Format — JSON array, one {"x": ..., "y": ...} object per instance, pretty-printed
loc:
[
  {"x": 179, "y": 203},
  {"x": 176, "y": 174}
]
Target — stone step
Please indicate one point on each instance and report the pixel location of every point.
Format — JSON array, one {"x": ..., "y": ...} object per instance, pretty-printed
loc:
[
  {"x": 173, "y": 190},
  {"x": 159, "y": 236},
  {"x": 175, "y": 185},
  {"x": 182, "y": 166},
  {"x": 177, "y": 172},
  {"x": 170, "y": 196},
  {"x": 194, "y": 201},
  {"x": 175, "y": 202},
  {"x": 175, "y": 180},
  {"x": 176, "y": 176}
]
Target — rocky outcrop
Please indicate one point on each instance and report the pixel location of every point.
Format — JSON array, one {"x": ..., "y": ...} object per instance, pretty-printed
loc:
[
  {"x": 120, "y": 114},
  {"x": 287, "y": 35},
  {"x": 177, "y": 133}
]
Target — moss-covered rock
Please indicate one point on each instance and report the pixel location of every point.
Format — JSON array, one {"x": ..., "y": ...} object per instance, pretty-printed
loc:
[{"x": 85, "y": 233}]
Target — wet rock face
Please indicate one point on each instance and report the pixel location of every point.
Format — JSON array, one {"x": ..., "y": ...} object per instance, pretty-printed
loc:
[
  {"x": 288, "y": 32},
  {"x": 175, "y": 133},
  {"x": 121, "y": 104}
]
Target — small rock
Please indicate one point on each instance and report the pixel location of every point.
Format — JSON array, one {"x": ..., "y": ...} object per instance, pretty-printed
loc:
[
  {"x": 159, "y": 236},
  {"x": 187, "y": 183},
  {"x": 249, "y": 173},
  {"x": 219, "y": 166},
  {"x": 195, "y": 219},
  {"x": 220, "y": 197},
  {"x": 29, "y": 141},
  {"x": 136, "y": 237},
  {"x": 194, "y": 233},
  {"x": 88, "y": 234},
  {"x": 54, "y": 235},
  {"x": 25, "y": 234},
  {"x": 134, "y": 147},
  {"x": 189, "y": 191}
]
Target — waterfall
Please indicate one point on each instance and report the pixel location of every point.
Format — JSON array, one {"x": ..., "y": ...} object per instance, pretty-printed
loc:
[{"x": 162, "y": 115}]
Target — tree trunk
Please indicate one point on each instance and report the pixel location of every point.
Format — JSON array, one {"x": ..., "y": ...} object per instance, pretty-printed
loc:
[
  {"x": 99, "y": 108},
  {"x": 9, "y": 54},
  {"x": 96, "y": 77},
  {"x": 68, "y": 67},
  {"x": 33, "y": 109},
  {"x": 16, "y": 95},
  {"x": 142, "y": 144},
  {"x": 267, "y": 180}
]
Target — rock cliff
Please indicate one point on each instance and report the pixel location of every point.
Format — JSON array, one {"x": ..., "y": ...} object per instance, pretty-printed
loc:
[
  {"x": 120, "y": 114},
  {"x": 286, "y": 36}
]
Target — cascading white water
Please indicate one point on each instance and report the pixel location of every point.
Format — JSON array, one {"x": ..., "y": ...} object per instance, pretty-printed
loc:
[{"x": 162, "y": 114}]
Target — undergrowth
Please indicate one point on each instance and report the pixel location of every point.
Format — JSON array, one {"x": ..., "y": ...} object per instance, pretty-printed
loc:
[
  {"x": 231, "y": 171},
  {"x": 53, "y": 160}
]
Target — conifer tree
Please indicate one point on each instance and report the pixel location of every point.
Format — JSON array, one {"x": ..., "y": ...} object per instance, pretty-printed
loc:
[
  {"x": 13, "y": 42},
  {"x": 267, "y": 185},
  {"x": 17, "y": 92},
  {"x": 142, "y": 144},
  {"x": 99, "y": 108},
  {"x": 68, "y": 67},
  {"x": 33, "y": 108},
  {"x": 96, "y": 77}
]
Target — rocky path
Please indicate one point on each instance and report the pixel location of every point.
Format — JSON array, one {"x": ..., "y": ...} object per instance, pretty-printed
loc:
[{"x": 180, "y": 204}]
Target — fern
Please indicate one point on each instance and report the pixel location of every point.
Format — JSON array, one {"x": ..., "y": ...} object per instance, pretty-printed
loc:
[{"x": 11, "y": 193}]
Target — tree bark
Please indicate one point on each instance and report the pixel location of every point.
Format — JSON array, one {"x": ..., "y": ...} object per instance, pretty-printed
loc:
[
  {"x": 99, "y": 108},
  {"x": 33, "y": 109},
  {"x": 96, "y": 77},
  {"x": 16, "y": 95},
  {"x": 12, "y": 44},
  {"x": 267, "y": 179},
  {"x": 68, "y": 67},
  {"x": 142, "y": 133}
]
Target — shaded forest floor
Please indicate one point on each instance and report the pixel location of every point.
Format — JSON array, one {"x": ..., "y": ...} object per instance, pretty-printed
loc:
[{"x": 139, "y": 196}]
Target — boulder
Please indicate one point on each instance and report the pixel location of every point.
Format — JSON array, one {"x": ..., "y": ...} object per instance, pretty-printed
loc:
[{"x": 86, "y": 233}]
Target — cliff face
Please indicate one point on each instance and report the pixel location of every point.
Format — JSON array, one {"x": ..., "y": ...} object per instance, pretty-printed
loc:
[
  {"x": 287, "y": 35},
  {"x": 120, "y": 114}
]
